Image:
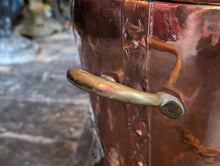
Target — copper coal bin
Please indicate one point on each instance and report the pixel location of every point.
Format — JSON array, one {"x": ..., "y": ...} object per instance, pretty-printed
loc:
[{"x": 153, "y": 71}]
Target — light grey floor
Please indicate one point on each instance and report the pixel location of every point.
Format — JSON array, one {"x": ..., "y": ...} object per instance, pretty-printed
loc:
[{"x": 42, "y": 116}]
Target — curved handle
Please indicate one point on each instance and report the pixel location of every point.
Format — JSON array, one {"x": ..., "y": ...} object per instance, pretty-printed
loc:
[{"x": 166, "y": 103}]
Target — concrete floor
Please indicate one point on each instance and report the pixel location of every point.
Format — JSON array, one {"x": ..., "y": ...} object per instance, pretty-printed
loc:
[{"x": 42, "y": 116}]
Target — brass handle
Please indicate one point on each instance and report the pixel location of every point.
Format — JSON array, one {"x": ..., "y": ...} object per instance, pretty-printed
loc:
[{"x": 167, "y": 104}]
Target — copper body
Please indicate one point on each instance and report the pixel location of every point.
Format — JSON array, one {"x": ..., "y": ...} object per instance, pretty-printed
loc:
[{"x": 115, "y": 38}]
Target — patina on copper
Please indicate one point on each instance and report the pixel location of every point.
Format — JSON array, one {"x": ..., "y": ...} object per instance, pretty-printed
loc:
[{"x": 115, "y": 38}]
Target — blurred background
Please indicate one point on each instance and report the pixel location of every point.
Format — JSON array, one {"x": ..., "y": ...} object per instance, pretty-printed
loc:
[{"x": 43, "y": 119}]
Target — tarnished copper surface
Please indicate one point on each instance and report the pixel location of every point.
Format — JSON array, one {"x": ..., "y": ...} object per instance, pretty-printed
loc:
[{"x": 114, "y": 39}]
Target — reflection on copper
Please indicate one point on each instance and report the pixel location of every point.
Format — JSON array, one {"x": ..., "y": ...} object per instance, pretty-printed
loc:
[
  {"x": 166, "y": 4},
  {"x": 135, "y": 43},
  {"x": 201, "y": 150},
  {"x": 169, "y": 48},
  {"x": 212, "y": 2},
  {"x": 139, "y": 132},
  {"x": 138, "y": 1},
  {"x": 166, "y": 25},
  {"x": 211, "y": 25},
  {"x": 161, "y": 46},
  {"x": 113, "y": 157},
  {"x": 140, "y": 163}
]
